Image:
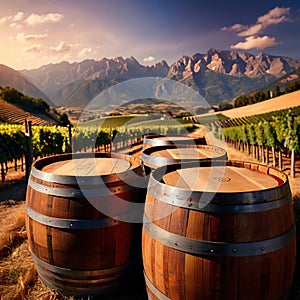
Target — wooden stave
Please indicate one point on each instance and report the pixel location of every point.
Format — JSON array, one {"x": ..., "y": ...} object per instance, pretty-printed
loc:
[
  {"x": 127, "y": 233},
  {"x": 158, "y": 289}
]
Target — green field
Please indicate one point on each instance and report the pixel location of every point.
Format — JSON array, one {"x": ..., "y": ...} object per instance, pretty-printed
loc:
[{"x": 130, "y": 121}]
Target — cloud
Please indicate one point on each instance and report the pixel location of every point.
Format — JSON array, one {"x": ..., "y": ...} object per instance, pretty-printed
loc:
[
  {"x": 253, "y": 40},
  {"x": 274, "y": 16},
  {"x": 5, "y": 19},
  {"x": 235, "y": 27},
  {"x": 17, "y": 17},
  {"x": 34, "y": 19},
  {"x": 37, "y": 48},
  {"x": 21, "y": 37},
  {"x": 256, "y": 42},
  {"x": 85, "y": 51},
  {"x": 252, "y": 30},
  {"x": 61, "y": 47},
  {"x": 149, "y": 59},
  {"x": 15, "y": 25}
]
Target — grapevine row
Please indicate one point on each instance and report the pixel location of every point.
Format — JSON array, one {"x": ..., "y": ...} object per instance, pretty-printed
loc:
[
  {"x": 51, "y": 140},
  {"x": 282, "y": 132}
]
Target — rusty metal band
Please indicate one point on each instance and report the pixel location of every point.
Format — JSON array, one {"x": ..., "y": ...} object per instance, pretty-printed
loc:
[
  {"x": 79, "y": 193},
  {"x": 179, "y": 198},
  {"x": 70, "y": 223},
  {"x": 220, "y": 249},
  {"x": 77, "y": 281},
  {"x": 154, "y": 290}
]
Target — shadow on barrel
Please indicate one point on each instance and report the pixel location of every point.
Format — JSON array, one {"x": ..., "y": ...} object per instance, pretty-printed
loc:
[
  {"x": 77, "y": 249},
  {"x": 241, "y": 244}
]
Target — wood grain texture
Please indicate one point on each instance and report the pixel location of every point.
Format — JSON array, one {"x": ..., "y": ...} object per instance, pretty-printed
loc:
[
  {"x": 88, "y": 167},
  {"x": 221, "y": 179},
  {"x": 181, "y": 275},
  {"x": 103, "y": 249}
]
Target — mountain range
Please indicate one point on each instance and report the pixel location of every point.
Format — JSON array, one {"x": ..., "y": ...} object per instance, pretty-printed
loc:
[
  {"x": 15, "y": 79},
  {"x": 217, "y": 75}
]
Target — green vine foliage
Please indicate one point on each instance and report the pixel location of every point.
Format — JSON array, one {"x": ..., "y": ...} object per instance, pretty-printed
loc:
[{"x": 281, "y": 132}]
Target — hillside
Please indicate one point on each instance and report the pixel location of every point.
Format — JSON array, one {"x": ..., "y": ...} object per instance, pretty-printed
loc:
[
  {"x": 10, "y": 113},
  {"x": 278, "y": 103},
  {"x": 282, "y": 102},
  {"x": 283, "y": 81},
  {"x": 13, "y": 78}
]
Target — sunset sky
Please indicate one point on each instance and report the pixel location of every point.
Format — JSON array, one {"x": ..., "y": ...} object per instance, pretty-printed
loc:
[{"x": 39, "y": 32}]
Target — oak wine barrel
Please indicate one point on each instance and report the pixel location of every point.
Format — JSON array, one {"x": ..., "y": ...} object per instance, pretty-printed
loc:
[
  {"x": 218, "y": 232},
  {"x": 159, "y": 156},
  {"x": 77, "y": 249}
]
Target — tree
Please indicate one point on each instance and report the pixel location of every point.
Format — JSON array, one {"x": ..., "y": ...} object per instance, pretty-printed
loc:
[
  {"x": 224, "y": 106},
  {"x": 276, "y": 91},
  {"x": 240, "y": 101},
  {"x": 63, "y": 120}
]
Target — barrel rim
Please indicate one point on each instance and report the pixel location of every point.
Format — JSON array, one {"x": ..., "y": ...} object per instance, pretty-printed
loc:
[
  {"x": 37, "y": 173},
  {"x": 156, "y": 180},
  {"x": 159, "y": 161}
]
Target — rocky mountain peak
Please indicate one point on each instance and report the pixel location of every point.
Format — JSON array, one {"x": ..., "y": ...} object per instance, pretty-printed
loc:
[{"x": 217, "y": 74}]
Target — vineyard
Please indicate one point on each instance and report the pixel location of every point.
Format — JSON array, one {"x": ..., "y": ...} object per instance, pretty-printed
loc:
[
  {"x": 16, "y": 148},
  {"x": 16, "y": 115},
  {"x": 265, "y": 136}
]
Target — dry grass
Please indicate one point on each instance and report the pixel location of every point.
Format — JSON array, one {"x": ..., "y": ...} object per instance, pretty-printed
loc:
[
  {"x": 18, "y": 278},
  {"x": 17, "y": 270},
  {"x": 18, "y": 275},
  {"x": 12, "y": 235}
]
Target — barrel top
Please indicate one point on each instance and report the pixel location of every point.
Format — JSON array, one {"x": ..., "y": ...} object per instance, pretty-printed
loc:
[
  {"x": 220, "y": 179},
  {"x": 88, "y": 166},
  {"x": 187, "y": 153}
]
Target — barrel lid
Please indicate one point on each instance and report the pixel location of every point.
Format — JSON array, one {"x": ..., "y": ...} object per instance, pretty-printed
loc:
[
  {"x": 98, "y": 166},
  {"x": 222, "y": 179},
  {"x": 187, "y": 153}
]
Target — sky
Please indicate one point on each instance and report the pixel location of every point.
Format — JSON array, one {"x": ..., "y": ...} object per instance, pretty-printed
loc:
[{"x": 39, "y": 32}]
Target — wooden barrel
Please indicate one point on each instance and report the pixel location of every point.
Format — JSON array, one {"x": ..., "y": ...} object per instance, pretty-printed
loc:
[
  {"x": 77, "y": 249},
  {"x": 240, "y": 244},
  {"x": 158, "y": 156},
  {"x": 153, "y": 140}
]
